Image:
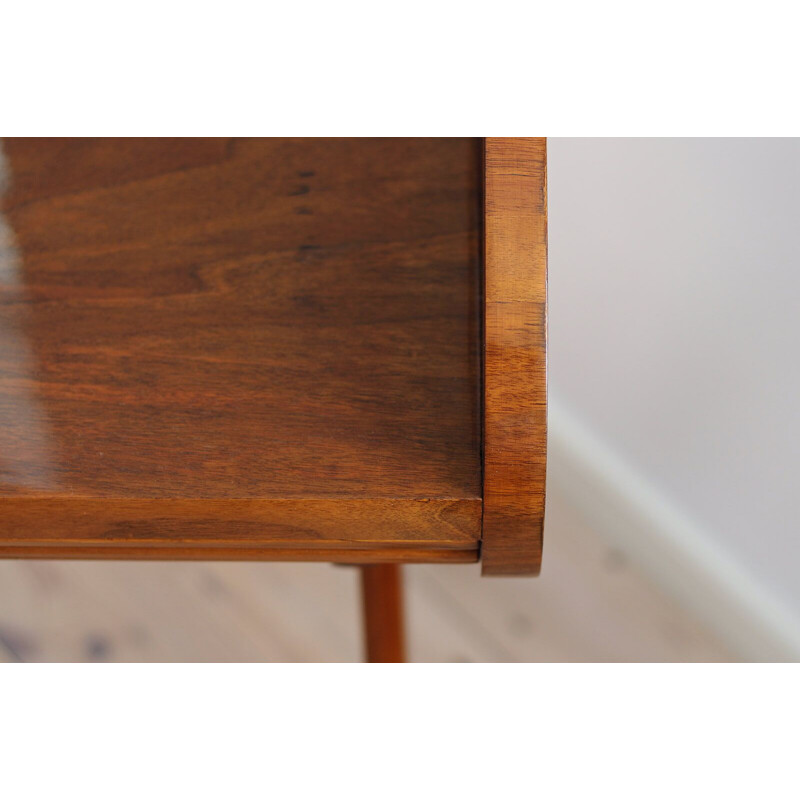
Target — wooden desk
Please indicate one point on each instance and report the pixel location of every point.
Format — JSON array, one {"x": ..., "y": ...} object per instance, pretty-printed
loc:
[{"x": 273, "y": 349}]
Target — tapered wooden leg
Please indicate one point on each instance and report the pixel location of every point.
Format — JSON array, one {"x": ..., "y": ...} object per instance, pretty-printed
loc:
[{"x": 382, "y": 596}]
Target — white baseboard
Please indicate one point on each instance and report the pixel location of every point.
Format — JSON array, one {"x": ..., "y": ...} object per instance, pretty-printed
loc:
[{"x": 676, "y": 553}]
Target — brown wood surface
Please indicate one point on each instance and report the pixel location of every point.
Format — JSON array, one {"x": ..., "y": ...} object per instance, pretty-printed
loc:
[
  {"x": 269, "y": 346},
  {"x": 328, "y": 522},
  {"x": 515, "y": 395},
  {"x": 379, "y": 554},
  {"x": 384, "y": 626}
]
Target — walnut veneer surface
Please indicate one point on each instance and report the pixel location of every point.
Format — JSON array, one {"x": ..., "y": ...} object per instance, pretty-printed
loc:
[{"x": 270, "y": 345}]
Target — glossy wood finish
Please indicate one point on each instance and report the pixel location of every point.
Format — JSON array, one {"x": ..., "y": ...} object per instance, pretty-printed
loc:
[
  {"x": 384, "y": 625},
  {"x": 276, "y": 522},
  {"x": 226, "y": 348},
  {"x": 379, "y": 554},
  {"x": 515, "y": 392}
]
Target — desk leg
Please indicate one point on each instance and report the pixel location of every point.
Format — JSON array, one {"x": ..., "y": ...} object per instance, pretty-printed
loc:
[{"x": 382, "y": 596}]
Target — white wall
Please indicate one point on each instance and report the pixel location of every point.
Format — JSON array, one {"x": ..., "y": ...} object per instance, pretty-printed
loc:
[{"x": 675, "y": 328}]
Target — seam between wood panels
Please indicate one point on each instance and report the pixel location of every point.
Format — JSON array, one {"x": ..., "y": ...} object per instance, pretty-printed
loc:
[{"x": 482, "y": 340}]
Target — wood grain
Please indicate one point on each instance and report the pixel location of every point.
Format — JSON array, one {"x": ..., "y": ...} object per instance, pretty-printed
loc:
[
  {"x": 378, "y": 554},
  {"x": 239, "y": 343},
  {"x": 384, "y": 626},
  {"x": 515, "y": 391}
]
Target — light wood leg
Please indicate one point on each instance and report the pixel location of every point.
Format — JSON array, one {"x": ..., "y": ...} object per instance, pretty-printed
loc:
[{"x": 382, "y": 597}]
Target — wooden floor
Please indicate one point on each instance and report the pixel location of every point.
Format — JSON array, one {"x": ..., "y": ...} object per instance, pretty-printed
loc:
[{"x": 590, "y": 604}]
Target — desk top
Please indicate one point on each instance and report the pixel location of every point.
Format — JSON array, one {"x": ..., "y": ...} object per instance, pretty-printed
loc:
[{"x": 216, "y": 344}]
